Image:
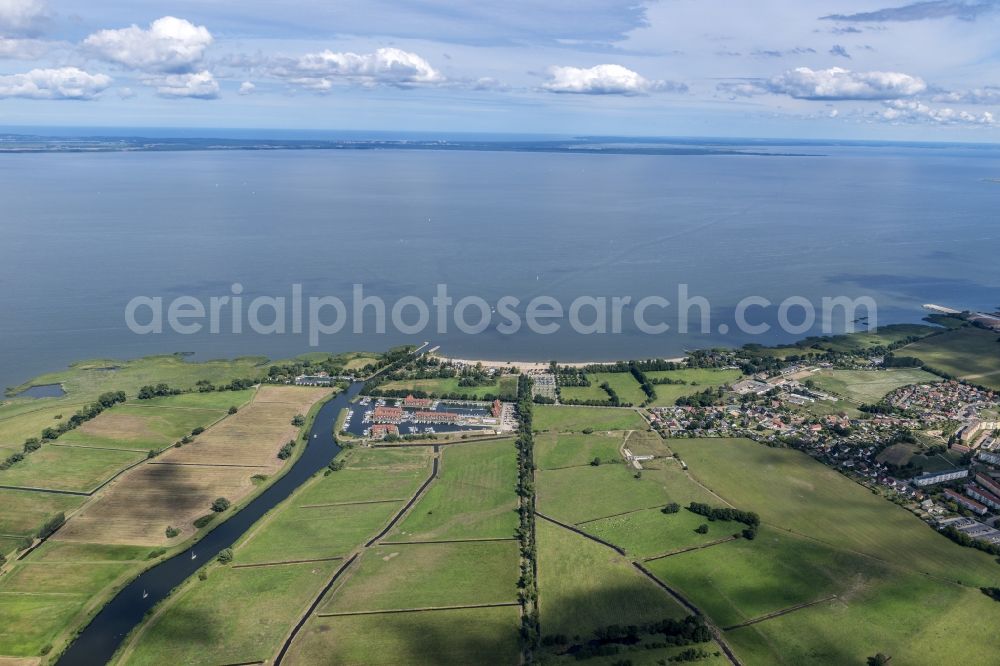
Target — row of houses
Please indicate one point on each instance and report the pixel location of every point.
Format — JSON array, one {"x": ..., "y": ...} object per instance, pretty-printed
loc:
[
  {"x": 385, "y": 414},
  {"x": 985, "y": 490},
  {"x": 970, "y": 504}
]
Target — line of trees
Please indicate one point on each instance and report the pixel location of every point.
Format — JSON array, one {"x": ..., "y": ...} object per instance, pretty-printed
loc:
[
  {"x": 963, "y": 539},
  {"x": 644, "y": 383},
  {"x": 724, "y": 513},
  {"x": 88, "y": 412},
  {"x": 608, "y": 641},
  {"x": 527, "y": 583}
]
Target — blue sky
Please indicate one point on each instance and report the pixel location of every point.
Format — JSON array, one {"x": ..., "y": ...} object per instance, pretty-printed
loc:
[{"x": 927, "y": 70}]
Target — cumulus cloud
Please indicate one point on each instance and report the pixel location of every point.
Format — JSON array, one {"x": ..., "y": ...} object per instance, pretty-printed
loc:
[
  {"x": 984, "y": 95},
  {"x": 605, "y": 80},
  {"x": 60, "y": 83},
  {"x": 198, "y": 85},
  {"x": 247, "y": 88},
  {"x": 21, "y": 16},
  {"x": 386, "y": 66},
  {"x": 920, "y": 11},
  {"x": 170, "y": 45},
  {"x": 901, "y": 110},
  {"x": 838, "y": 83}
]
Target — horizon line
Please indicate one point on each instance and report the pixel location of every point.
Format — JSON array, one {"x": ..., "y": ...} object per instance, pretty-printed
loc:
[{"x": 249, "y": 133}]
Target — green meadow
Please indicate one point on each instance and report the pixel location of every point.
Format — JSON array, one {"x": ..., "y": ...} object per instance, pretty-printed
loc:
[
  {"x": 576, "y": 419},
  {"x": 584, "y": 586},
  {"x": 908, "y": 617},
  {"x": 504, "y": 387},
  {"x": 57, "y": 587},
  {"x": 875, "y": 570},
  {"x": 394, "y": 576},
  {"x": 592, "y": 392},
  {"x": 869, "y": 386},
  {"x": 967, "y": 353},
  {"x": 24, "y": 511},
  {"x": 695, "y": 380},
  {"x": 234, "y": 616},
  {"x": 553, "y": 450},
  {"x": 586, "y": 493},
  {"x": 651, "y": 532},
  {"x": 792, "y": 491},
  {"x": 444, "y": 638},
  {"x": 623, "y": 383},
  {"x": 87, "y": 379},
  {"x": 68, "y": 468},
  {"x": 312, "y": 533},
  {"x": 739, "y": 580},
  {"x": 858, "y": 342},
  {"x": 215, "y": 400},
  {"x": 473, "y": 496}
]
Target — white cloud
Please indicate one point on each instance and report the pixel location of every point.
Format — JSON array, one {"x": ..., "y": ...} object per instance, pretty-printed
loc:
[
  {"x": 247, "y": 88},
  {"x": 199, "y": 85},
  {"x": 169, "y": 45},
  {"x": 604, "y": 80},
  {"x": 23, "y": 49},
  {"x": 386, "y": 66},
  {"x": 837, "y": 83},
  {"x": 900, "y": 110},
  {"x": 61, "y": 83},
  {"x": 21, "y": 16},
  {"x": 984, "y": 95}
]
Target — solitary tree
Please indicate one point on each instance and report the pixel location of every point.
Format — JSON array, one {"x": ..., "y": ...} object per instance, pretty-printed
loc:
[{"x": 220, "y": 504}]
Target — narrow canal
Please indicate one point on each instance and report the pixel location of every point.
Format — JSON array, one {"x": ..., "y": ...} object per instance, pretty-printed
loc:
[{"x": 100, "y": 639}]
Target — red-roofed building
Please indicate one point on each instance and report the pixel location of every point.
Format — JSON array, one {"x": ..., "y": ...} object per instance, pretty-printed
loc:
[
  {"x": 411, "y": 401},
  {"x": 382, "y": 430},
  {"x": 435, "y": 417},
  {"x": 497, "y": 408},
  {"x": 388, "y": 414},
  {"x": 983, "y": 495},
  {"x": 970, "y": 504},
  {"x": 988, "y": 483}
]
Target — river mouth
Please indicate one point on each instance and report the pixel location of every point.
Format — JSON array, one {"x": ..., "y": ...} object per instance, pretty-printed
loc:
[
  {"x": 99, "y": 640},
  {"x": 42, "y": 391}
]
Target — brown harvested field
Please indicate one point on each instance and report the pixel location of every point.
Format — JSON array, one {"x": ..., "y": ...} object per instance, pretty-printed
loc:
[
  {"x": 137, "y": 508},
  {"x": 179, "y": 486},
  {"x": 253, "y": 436}
]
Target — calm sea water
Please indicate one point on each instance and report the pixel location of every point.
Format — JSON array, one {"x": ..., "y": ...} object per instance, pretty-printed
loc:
[{"x": 82, "y": 234}]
